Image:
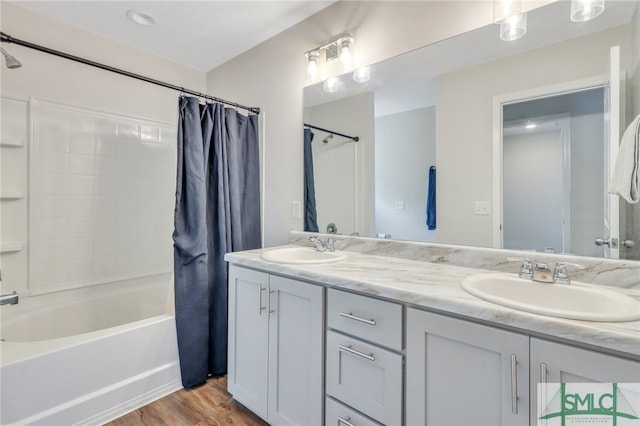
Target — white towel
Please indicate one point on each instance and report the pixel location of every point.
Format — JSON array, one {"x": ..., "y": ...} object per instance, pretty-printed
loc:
[{"x": 625, "y": 179}]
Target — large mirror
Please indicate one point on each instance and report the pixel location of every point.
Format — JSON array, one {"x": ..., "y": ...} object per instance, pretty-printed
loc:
[{"x": 484, "y": 129}]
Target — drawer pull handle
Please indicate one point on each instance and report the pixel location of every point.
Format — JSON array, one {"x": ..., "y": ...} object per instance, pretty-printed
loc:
[
  {"x": 370, "y": 357},
  {"x": 345, "y": 421},
  {"x": 353, "y": 317},
  {"x": 262, "y": 308}
]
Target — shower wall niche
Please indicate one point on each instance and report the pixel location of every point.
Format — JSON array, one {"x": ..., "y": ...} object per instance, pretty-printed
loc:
[{"x": 101, "y": 196}]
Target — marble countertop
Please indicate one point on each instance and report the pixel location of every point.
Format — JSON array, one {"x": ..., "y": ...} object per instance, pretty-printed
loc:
[{"x": 437, "y": 286}]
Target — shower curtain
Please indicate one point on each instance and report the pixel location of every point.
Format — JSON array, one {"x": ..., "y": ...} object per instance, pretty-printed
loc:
[
  {"x": 217, "y": 211},
  {"x": 310, "y": 212}
]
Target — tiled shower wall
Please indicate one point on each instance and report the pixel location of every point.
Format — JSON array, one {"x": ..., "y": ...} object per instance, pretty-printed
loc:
[{"x": 101, "y": 196}]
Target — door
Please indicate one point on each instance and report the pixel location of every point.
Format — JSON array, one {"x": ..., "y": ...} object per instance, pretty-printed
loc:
[
  {"x": 611, "y": 227},
  {"x": 461, "y": 373},
  {"x": 248, "y": 338},
  {"x": 296, "y": 327},
  {"x": 558, "y": 363}
]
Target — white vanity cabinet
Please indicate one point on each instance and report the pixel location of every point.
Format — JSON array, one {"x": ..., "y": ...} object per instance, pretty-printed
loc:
[
  {"x": 364, "y": 360},
  {"x": 275, "y": 365},
  {"x": 462, "y": 373},
  {"x": 559, "y": 363}
]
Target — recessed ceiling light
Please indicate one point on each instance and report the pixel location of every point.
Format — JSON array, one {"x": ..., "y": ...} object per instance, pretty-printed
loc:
[
  {"x": 141, "y": 18},
  {"x": 531, "y": 126}
]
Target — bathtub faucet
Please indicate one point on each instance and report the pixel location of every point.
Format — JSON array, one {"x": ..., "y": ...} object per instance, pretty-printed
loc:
[{"x": 9, "y": 299}]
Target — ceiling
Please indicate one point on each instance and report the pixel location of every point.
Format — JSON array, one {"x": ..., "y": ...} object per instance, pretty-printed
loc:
[{"x": 200, "y": 34}]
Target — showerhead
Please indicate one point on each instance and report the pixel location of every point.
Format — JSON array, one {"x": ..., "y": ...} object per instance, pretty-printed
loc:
[
  {"x": 326, "y": 139},
  {"x": 9, "y": 60}
]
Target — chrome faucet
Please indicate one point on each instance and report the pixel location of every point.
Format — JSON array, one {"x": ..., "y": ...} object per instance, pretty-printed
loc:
[
  {"x": 323, "y": 245},
  {"x": 8, "y": 299},
  {"x": 542, "y": 273},
  {"x": 561, "y": 274}
]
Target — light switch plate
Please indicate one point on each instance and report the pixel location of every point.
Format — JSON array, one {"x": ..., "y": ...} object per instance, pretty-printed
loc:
[
  {"x": 398, "y": 205},
  {"x": 481, "y": 208},
  {"x": 295, "y": 210}
]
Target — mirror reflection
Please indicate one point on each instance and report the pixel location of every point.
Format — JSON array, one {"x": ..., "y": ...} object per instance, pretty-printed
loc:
[{"x": 462, "y": 107}]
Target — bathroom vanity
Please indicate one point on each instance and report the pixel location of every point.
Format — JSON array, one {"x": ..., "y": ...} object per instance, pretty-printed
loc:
[{"x": 386, "y": 335}]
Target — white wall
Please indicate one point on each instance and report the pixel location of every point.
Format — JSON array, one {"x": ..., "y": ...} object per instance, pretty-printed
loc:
[
  {"x": 57, "y": 79},
  {"x": 343, "y": 194},
  {"x": 272, "y": 76},
  {"x": 463, "y": 102},
  {"x": 404, "y": 151}
]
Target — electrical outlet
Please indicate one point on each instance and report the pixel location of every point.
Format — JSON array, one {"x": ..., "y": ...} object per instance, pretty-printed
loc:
[
  {"x": 398, "y": 205},
  {"x": 295, "y": 210},
  {"x": 481, "y": 208}
]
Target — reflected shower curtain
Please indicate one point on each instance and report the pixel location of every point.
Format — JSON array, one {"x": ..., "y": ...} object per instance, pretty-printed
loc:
[
  {"x": 217, "y": 211},
  {"x": 310, "y": 212}
]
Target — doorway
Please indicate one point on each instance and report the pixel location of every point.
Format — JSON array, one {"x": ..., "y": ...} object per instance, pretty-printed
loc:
[{"x": 553, "y": 172}]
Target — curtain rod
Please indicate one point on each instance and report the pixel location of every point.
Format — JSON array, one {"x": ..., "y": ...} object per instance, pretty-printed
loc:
[
  {"x": 7, "y": 38},
  {"x": 353, "y": 138}
]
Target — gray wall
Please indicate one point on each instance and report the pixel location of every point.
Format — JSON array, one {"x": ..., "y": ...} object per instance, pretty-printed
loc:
[
  {"x": 272, "y": 76},
  {"x": 464, "y": 159},
  {"x": 404, "y": 150}
]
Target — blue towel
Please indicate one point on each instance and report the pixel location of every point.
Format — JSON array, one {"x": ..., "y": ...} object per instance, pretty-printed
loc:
[{"x": 431, "y": 199}]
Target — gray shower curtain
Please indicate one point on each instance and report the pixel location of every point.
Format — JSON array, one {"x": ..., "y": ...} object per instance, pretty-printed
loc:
[
  {"x": 310, "y": 212},
  {"x": 217, "y": 211}
]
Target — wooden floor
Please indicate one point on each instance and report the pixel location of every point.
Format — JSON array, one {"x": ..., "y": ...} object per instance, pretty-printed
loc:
[{"x": 207, "y": 405}]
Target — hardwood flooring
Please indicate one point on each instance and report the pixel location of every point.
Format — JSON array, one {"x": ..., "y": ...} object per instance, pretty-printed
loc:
[{"x": 207, "y": 405}]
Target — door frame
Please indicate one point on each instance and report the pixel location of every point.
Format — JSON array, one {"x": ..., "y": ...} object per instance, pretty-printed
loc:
[{"x": 497, "y": 122}]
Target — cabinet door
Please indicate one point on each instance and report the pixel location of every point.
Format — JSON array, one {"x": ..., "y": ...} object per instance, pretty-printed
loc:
[
  {"x": 295, "y": 352},
  {"x": 559, "y": 363},
  {"x": 462, "y": 373},
  {"x": 248, "y": 338}
]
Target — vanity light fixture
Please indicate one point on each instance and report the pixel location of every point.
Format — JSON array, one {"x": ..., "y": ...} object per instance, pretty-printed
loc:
[
  {"x": 514, "y": 27},
  {"x": 585, "y": 10},
  {"x": 505, "y": 9},
  {"x": 331, "y": 85},
  {"x": 340, "y": 47},
  {"x": 530, "y": 126},
  {"x": 312, "y": 62},
  {"x": 362, "y": 74},
  {"x": 513, "y": 23}
]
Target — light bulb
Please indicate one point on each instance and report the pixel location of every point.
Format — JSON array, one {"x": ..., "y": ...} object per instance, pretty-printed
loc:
[
  {"x": 345, "y": 45},
  {"x": 362, "y": 75},
  {"x": 312, "y": 62},
  {"x": 513, "y": 27},
  {"x": 345, "y": 56},
  {"x": 584, "y": 10},
  {"x": 504, "y": 9},
  {"x": 331, "y": 85}
]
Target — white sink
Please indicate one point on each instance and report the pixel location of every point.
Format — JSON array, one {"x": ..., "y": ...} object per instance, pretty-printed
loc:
[
  {"x": 573, "y": 301},
  {"x": 302, "y": 255}
]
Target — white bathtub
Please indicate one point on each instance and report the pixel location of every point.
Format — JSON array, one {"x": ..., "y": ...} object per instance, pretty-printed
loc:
[{"x": 87, "y": 356}]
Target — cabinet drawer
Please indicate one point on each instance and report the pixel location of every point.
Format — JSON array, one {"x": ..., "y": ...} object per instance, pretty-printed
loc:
[
  {"x": 366, "y": 377},
  {"x": 337, "y": 414},
  {"x": 370, "y": 319}
]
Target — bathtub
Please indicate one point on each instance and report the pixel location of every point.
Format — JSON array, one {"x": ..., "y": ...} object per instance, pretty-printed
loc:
[{"x": 87, "y": 356}]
